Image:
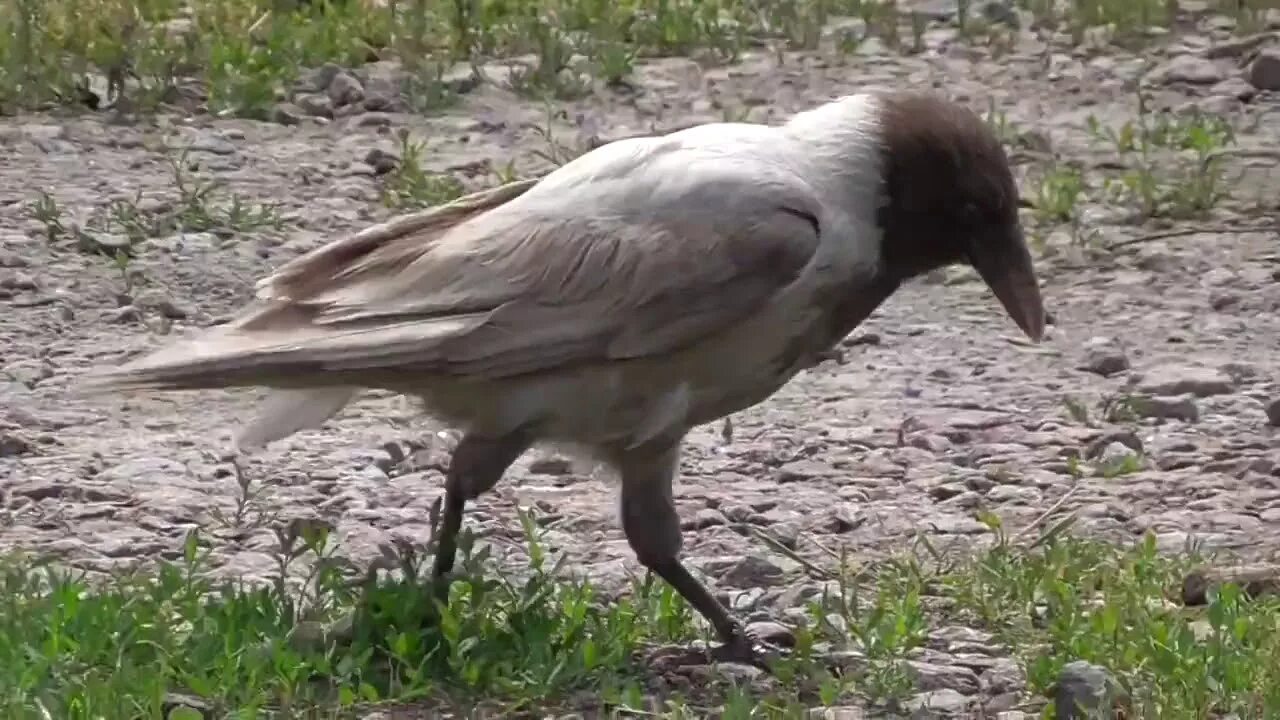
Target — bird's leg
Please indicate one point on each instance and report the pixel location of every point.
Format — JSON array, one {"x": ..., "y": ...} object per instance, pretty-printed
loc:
[
  {"x": 652, "y": 527},
  {"x": 477, "y": 464}
]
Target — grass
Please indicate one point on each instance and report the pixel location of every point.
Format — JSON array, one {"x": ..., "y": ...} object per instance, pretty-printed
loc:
[
  {"x": 241, "y": 57},
  {"x": 534, "y": 639}
]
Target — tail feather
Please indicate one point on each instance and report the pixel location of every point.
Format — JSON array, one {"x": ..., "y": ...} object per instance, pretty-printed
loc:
[
  {"x": 309, "y": 356},
  {"x": 285, "y": 412}
]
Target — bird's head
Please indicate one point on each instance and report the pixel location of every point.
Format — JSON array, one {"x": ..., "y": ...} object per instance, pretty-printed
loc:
[{"x": 950, "y": 198}]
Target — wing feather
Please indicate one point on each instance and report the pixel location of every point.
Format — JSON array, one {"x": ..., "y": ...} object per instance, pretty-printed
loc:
[{"x": 525, "y": 278}]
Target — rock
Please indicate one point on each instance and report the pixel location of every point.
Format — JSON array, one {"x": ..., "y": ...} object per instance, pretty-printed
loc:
[
  {"x": 345, "y": 89},
  {"x": 12, "y": 445},
  {"x": 213, "y": 144},
  {"x": 753, "y": 571},
  {"x": 1190, "y": 69},
  {"x": 1236, "y": 88},
  {"x": 156, "y": 301},
  {"x": 287, "y": 114},
  {"x": 1273, "y": 412},
  {"x": 180, "y": 706},
  {"x": 1125, "y": 437},
  {"x": 321, "y": 78},
  {"x": 931, "y": 676},
  {"x": 1104, "y": 357},
  {"x": 551, "y": 465},
  {"x": 1005, "y": 676},
  {"x": 841, "y": 712},
  {"x": 1085, "y": 690},
  {"x": 381, "y": 161},
  {"x": 1182, "y": 380},
  {"x": 1166, "y": 408},
  {"x": 802, "y": 470},
  {"x": 772, "y": 632},
  {"x": 316, "y": 105},
  {"x": 1016, "y": 494},
  {"x": 704, "y": 518},
  {"x": 1116, "y": 454},
  {"x": 938, "y": 704},
  {"x": 1264, "y": 71}
]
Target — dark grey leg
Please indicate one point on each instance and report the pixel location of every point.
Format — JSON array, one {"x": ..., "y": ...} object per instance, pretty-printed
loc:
[
  {"x": 478, "y": 463},
  {"x": 652, "y": 527}
]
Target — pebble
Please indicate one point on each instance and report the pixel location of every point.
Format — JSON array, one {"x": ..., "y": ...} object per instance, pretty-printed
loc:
[
  {"x": 1264, "y": 71},
  {"x": 1104, "y": 357},
  {"x": 1180, "y": 380},
  {"x": 1190, "y": 69},
  {"x": 345, "y": 89},
  {"x": 943, "y": 703},
  {"x": 1166, "y": 408},
  {"x": 1084, "y": 691}
]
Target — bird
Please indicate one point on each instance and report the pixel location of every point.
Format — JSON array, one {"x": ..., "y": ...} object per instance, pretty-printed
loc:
[{"x": 644, "y": 288}]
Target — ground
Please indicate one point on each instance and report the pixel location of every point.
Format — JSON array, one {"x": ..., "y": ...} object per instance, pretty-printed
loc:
[{"x": 937, "y": 431}]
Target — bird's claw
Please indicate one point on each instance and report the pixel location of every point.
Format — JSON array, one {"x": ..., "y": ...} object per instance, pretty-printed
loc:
[
  {"x": 748, "y": 648},
  {"x": 744, "y": 647}
]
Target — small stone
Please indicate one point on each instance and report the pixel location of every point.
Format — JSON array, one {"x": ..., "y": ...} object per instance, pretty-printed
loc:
[
  {"x": 315, "y": 105},
  {"x": 1116, "y": 454},
  {"x": 802, "y": 470},
  {"x": 377, "y": 102},
  {"x": 1166, "y": 408},
  {"x": 1273, "y": 412},
  {"x": 1235, "y": 87},
  {"x": 1181, "y": 380},
  {"x": 753, "y": 571},
  {"x": 938, "y": 704},
  {"x": 213, "y": 144},
  {"x": 345, "y": 89},
  {"x": 772, "y": 632},
  {"x": 1005, "y": 676},
  {"x": 840, "y": 712},
  {"x": 1015, "y": 494},
  {"x": 1190, "y": 69},
  {"x": 930, "y": 676},
  {"x": 1085, "y": 690},
  {"x": 287, "y": 114},
  {"x": 373, "y": 119},
  {"x": 1264, "y": 71},
  {"x": 1104, "y": 357},
  {"x": 12, "y": 445},
  {"x": 381, "y": 161},
  {"x": 551, "y": 465},
  {"x": 321, "y": 78},
  {"x": 704, "y": 518},
  {"x": 124, "y": 316}
]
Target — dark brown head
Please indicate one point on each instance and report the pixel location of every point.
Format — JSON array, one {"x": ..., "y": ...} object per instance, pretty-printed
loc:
[{"x": 951, "y": 198}]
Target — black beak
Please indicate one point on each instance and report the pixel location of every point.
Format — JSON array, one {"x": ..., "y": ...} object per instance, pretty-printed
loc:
[{"x": 1004, "y": 263}]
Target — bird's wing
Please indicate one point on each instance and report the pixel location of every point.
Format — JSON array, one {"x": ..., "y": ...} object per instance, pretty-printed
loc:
[{"x": 647, "y": 249}]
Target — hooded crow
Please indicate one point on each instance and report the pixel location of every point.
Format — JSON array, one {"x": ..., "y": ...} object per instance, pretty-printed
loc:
[{"x": 648, "y": 286}]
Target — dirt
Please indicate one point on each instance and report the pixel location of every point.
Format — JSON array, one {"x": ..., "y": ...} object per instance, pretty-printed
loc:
[{"x": 935, "y": 411}]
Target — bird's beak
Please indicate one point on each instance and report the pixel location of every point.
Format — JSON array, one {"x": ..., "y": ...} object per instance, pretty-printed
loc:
[{"x": 1004, "y": 263}]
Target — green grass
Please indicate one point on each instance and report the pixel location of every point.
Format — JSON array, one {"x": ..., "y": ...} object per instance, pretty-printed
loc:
[
  {"x": 72, "y": 647},
  {"x": 242, "y": 56}
]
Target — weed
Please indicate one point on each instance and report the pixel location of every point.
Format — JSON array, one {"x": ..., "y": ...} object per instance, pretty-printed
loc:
[
  {"x": 1175, "y": 167},
  {"x": 1058, "y": 194},
  {"x": 411, "y": 186}
]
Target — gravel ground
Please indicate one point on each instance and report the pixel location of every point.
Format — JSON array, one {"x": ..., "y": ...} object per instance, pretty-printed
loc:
[{"x": 1163, "y": 350}]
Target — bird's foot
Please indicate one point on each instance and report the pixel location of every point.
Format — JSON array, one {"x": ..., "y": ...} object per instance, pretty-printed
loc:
[
  {"x": 745, "y": 645},
  {"x": 750, "y": 646}
]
